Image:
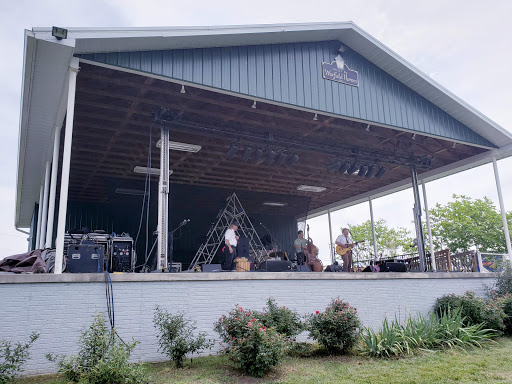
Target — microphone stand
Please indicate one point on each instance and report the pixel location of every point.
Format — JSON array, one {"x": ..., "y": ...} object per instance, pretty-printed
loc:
[{"x": 171, "y": 243}]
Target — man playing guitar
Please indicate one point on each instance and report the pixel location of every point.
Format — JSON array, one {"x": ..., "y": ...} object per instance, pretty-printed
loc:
[{"x": 345, "y": 242}]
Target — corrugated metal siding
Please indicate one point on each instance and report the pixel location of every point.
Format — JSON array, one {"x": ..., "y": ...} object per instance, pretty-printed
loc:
[{"x": 292, "y": 74}]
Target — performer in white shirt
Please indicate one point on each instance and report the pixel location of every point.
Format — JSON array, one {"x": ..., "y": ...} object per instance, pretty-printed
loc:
[
  {"x": 345, "y": 241},
  {"x": 231, "y": 241}
]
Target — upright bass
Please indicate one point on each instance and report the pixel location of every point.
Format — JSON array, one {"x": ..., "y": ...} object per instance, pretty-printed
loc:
[{"x": 311, "y": 253}]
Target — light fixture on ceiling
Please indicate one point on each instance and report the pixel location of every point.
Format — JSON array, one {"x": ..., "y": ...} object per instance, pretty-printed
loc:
[
  {"x": 354, "y": 167},
  {"x": 315, "y": 118},
  {"x": 344, "y": 167},
  {"x": 292, "y": 159},
  {"x": 258, "y": 154},
  {"x": 183, "y": 89},
  {"x": 271, "y": 155},
  {"x": 59, "y": 33},
  {"x": 184, "y": 147},
  {"x": 371, "y": 170},
  {"x": 281, "y": 159},
  {"x": 380, "y": 172},
  {"x": 151, "y": 171},
  {"x": 334, "y": 166},
  {"x": 362, "y": 170},
  {"x": 367, "y": 128},
  {"x": 232, "y": 150},
  {"x": 247, "y": 154},
  {"x": 453, "y": 145},
  {"x": 133, "y": 192},
  {"x": 413, "y": 136},
  {"x": 254, "y": 105},
  {"x": 274, "y": 204},
  {"x": 310, "y": 188}
]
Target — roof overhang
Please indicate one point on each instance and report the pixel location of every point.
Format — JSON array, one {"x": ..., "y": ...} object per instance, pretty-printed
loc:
[{"x": 46, "y": 61}]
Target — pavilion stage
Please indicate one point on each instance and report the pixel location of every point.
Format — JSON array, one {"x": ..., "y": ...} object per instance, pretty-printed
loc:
[{"x": 58, "y": 306}]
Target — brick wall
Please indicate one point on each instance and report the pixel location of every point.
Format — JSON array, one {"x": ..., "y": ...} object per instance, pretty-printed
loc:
[{"x": 59, "y": 310}]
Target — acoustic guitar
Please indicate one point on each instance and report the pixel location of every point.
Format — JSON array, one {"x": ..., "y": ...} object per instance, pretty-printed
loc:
[{"x": 343, "y": 251}]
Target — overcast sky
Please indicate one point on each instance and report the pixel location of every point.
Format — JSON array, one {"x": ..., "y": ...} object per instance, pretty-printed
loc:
[{"x": 464, "y": 45}]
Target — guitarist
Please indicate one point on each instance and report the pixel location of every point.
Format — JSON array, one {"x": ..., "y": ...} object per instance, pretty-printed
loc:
[{"x": 345, "y": 241}]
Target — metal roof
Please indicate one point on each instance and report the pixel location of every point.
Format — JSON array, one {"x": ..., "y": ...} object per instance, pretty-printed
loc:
[{"x": 46, "y": 61}]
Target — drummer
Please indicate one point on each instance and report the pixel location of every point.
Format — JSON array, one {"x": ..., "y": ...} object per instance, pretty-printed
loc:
[{"x": 300, "y": 244}]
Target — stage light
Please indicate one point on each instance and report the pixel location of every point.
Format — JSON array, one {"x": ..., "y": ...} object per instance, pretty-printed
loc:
[
  {"x": 233, "y": 148},
  {"x": 254, "y": 105},
  {"x": 281, "y": 158},
  {"x": 367, "y": 128},
  {"x": 371, "y": 170},
  {"x": 362, "y": 170},
  {"x": 453, "y": 145},
  {"x": 247, "y": 154},
  {"x": 344, "y": 167},
  {"x": 151, "y": 171},
  {"x": 292, "y": 159},
  {"x": 258, "y": 154},
  {"x": 354, "y": 167},
  {"x": 413, "y": 137},
  {"x": 380, "y": 172},
  {"x": 183, "y": 89},
  {"x": 184, "y": 147},
  {"x": 315, "y": 118},
  {"x": 334, "y": 166},
  {"x": 310, "y": 188},
  {"x": 271, "y": 155}
]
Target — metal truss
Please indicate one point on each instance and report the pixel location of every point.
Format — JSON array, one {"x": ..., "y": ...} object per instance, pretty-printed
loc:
[{"x": 233, "y": 211}]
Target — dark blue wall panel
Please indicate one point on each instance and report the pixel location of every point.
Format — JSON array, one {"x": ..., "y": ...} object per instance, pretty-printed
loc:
[{"x": 292, "y": 74}]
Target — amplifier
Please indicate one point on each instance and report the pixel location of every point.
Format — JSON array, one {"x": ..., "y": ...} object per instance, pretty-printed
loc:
[
  {"x": 121, "y": 250},
  {"x": 87, "y": 257},
  {"x": 276, "y": 266}
]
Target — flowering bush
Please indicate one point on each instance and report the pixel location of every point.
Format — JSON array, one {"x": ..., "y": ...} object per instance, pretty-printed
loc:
[
  {"x": 474, "y": 310},
  {"x": 336, "y": 328},
  {"x": 251, "y": 345},
  {"x": 282, "y": 319},
  {"x": 505, "y": 304}
]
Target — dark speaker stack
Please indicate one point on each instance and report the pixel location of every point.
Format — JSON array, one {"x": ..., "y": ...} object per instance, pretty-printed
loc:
[
  {"x": 86, "y": 257},
  {"x": 276, "y": 266}
]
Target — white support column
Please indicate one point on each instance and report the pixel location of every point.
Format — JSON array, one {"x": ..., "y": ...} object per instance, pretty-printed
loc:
[
  {"x": 66, "y": 160},
  {"x": 39, "y": 214},
  {"x": 427, "y": 216},
  {"x": 163, "y": 201},
  {"x": 53, "y": 188},
  {"x": 331, "y": 248},
  {"x": 373, "y": 229},
  {"x": 502, "y": 208},
  {"x": 45, "y": 206}
]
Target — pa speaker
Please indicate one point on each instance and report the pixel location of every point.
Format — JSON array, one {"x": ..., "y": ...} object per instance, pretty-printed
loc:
[
  {"x": 276, "y": 266},
  {"x": 211, "y": 267},
  {"x": 396, "y": 267},
  {"x": 85, "y": 258}
]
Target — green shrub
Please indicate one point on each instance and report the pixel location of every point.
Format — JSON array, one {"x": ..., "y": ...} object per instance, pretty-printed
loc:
[
  {"x": 336, "y": 329},
  {"x": 423, "y": 333},
  {"x": 12, "y": 357},
  {"x": 503, "y": 283},
  {"x": 102, "y": 359},
  {"x": 505, "y": 303},
  {"x": 282, "y": 319},
  {"x": 251, "y": 345},
  {"x": 474, "y": 310},
  {"x": 176, "y": 336}
]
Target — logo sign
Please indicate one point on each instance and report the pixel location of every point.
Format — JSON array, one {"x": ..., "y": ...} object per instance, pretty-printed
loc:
[{"x": 339, "y": 71}]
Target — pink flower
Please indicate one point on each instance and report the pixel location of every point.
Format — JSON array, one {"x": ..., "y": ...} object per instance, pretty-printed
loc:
[
  {"x": 261, "y": 329},
  {"x": 317, "y": 312},
  {"x": 234, "y": 338},
  {"x": 249, "y": 324},
  {"x": 345, "y": 319},
  {"x": 264, "y": 328}
]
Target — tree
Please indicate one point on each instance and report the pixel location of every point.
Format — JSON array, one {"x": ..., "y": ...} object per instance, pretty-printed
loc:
[
  {"x": 390, "y": 241},
  {"x": 466, "y": 223}
]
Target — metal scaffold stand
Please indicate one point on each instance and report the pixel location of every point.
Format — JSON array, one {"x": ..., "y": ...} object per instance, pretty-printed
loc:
[{"x": 232, "y": 212}]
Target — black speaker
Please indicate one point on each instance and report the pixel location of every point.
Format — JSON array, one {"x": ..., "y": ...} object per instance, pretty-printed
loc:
[
  {"x": 243, "y": 248},
  {"x": 334, "y": 268},
  {"x": 211, "y": 267},
  {"x": 396, "y": 267},
  {"x": 303, "y": 268},
  {"x": 276, "y": 266},
  {"x": 85, "y": 258}
]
